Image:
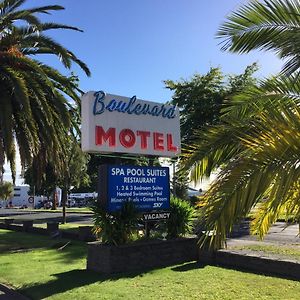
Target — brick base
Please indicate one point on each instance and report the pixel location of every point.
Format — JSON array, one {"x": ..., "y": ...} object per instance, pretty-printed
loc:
[{"x": 139, "y": 256}]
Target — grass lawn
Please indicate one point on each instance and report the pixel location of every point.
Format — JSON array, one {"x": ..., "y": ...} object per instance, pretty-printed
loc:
[
  {"x": 70, "y": 227},
  {"x": 46, "y": 272}
]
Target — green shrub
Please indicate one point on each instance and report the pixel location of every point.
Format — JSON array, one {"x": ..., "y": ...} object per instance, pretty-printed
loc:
[
  {"x": 181, "y": 218},
  {"x": 115, "y": 228},
  {"x": 6, "y": 190}
]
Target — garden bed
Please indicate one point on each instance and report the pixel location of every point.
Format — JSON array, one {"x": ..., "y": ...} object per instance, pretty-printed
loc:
[{"x": 141, "y": 255}]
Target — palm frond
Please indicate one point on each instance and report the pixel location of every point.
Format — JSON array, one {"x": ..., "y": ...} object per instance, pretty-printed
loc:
[
  {"x": 34, "y": 98},
  {"x": 264, "y": 162},
  {"x": 270, "y": 25},
  {"x": 48, "y": 26},
  {"x": 7, "y": 6}
]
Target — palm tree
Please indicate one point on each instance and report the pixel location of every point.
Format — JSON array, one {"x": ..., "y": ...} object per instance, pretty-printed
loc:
[
  {"x": 257, "y": 146},
  {"x": 256, "y": 149},
  {"x": 34, "y": 106}
]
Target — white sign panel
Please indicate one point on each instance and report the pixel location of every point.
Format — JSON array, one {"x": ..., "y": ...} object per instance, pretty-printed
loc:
[{"x": 116, "y": 124}]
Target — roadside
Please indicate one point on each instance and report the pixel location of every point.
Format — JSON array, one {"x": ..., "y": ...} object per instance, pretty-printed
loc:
[{"x": 281, "y": 243}]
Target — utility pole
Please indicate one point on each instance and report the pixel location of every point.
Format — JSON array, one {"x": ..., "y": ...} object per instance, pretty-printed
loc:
[{"x": 174, "y": 179}]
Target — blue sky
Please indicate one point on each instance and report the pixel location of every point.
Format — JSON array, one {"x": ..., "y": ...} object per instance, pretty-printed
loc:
[{"x": 131, "y": 46}]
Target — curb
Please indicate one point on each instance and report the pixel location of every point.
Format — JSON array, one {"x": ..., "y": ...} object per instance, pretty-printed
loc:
[{"x": 263, "y": 265}]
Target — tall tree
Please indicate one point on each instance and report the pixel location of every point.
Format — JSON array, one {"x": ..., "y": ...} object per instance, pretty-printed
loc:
[
  {"x": 200, "y": 98},
  {"x": 34, "y": 110},
  {"x": 256, "y": 148},
  {"x": 44, "y": 185},
  {"x": 257, "y": 144},
  {"x": 74, "y": 172},
  {"x": 72, "y": 175},
  {"x": 200, "y": 101}
]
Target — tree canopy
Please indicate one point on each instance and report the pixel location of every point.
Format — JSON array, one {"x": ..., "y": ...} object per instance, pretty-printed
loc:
[
  {"x": 200, "y": 98},
  {"x": 256, "y": 149},
  {"x": 71, "y": 176}
]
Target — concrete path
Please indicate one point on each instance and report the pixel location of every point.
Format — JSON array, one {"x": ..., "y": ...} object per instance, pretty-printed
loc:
[
  {"x": 279, "y": 236},
  {"x": 280, "y": 233}
]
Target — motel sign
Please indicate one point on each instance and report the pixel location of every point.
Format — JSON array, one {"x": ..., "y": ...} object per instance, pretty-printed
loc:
[{"x": 116, "y": 124}]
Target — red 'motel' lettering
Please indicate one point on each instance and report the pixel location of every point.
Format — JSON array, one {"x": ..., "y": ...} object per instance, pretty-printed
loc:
[
  {"x": 158, "y": 141},
  {"x": 128, "y": 139},
  {"x": 170, "y": 145},
  {"x": 144, "y": 136},
  {"x": 102, "y": 136}
]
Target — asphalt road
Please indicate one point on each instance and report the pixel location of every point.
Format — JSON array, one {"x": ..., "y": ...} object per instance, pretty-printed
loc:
[
  {"x": 279, "y": 232},
  {"x": 39, "y": 216}
]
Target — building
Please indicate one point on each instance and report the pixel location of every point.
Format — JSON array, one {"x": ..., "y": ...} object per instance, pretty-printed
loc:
[
  {"x": 22, "y": 198},
  {"x": 81, "y": 199}
]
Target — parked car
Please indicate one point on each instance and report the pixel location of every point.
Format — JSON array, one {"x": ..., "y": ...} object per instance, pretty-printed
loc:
[
  {"x": 43, "y": 204},
  {"x": 71, "y": 203}
]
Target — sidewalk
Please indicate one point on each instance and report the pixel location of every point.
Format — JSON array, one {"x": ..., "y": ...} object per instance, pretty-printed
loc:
[
  {"x": 270, "y": 256},
  {"x": 280, "y": 234}
]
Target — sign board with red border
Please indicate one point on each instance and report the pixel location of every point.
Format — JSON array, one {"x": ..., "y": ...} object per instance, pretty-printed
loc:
[{"x": 116, "y": 124}]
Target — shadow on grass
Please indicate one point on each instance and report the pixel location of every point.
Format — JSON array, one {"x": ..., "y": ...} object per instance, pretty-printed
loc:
[
  {"x": 197, "y": 265},
  {"x": 67, "y": 281},
  {"x": 188, "y": 267},
  {"x": 72, "y": 251},
  {"x": 296, "y": 276},
  {"x": 12, "y": 241},
  {"x": 70, "y": 280}
]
